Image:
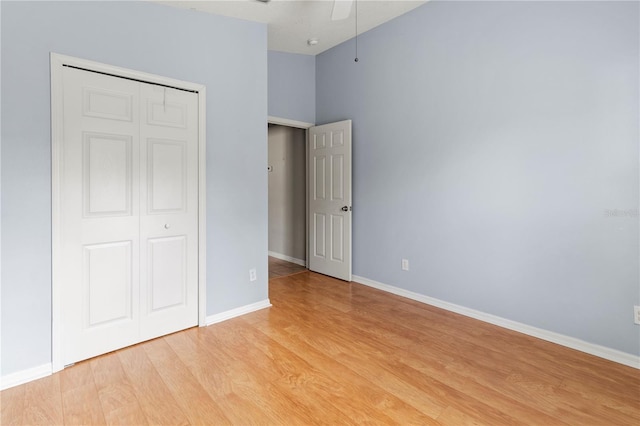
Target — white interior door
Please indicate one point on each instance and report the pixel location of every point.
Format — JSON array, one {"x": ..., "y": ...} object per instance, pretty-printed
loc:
[
  {"x": 100, "y": 220},
  {"x": 330, "y": 199},
  {"x": 168, "y": 210},
  {"x": 129, "y": 213}
]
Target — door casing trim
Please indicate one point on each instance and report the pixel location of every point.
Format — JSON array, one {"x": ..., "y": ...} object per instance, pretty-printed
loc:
[{"x": 57, "y": 62}]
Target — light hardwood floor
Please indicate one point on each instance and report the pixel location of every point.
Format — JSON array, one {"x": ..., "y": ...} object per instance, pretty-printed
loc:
[
  {"x": 282, "y": 268},
  {"x": 330, "y": 352}
]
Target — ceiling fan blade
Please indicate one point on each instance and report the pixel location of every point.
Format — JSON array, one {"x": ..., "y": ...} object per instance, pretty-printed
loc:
[{"x": 341, "y": 9}]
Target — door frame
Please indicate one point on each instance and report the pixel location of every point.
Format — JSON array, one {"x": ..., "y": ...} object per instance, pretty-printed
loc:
[
  {"x": 307, "y": 127},
  {"x": 304, "y": 126},
  {"x": 57, "y": 63}
]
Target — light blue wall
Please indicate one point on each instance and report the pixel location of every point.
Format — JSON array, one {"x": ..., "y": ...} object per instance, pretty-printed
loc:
[
  {"x": 227, "y": 55},
  {"x": 292, "y": 86},
  {"x": 489, "y": 140}
]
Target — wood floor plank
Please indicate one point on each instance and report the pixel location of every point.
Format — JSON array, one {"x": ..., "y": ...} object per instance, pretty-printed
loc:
[
  {"x": 43, "y": 402},
  {"x": 453, "y": 416},
  {"x": 116, "y": 394},
  {"x": 276, "y": 400},
  {"x": 310, "y": 382},
  {"x": 212, "y": 371},
  {"x": 154, "y": 397},
  {"x": 12, "y": 405},
  {"x": 193, "y": 399},
  {"x": 363, "y": 390},
  {"x": 227, "y": 383},
  {"x": 80, "y": 400},
  {"x": 617, "y": 397}
]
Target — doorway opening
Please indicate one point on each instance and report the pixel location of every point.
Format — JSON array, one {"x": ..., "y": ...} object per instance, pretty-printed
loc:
[
  {"x": 287, "y": 176},
  {"x": 325, "y": 168}
]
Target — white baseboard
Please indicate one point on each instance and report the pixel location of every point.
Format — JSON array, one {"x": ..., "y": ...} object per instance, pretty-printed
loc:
[
  {"x": 288, "y": 258},
  {"x": 550, "y": 336},
  {"x": 242, "y": 310},
  {"x": 24, "y": 376}
]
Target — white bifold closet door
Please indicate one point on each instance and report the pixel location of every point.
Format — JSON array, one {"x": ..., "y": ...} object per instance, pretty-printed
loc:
[{"x": 129, "y": 216}]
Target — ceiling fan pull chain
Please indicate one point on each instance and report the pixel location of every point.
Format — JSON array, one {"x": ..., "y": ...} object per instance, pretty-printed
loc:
[{"x": 356, "y": 1}]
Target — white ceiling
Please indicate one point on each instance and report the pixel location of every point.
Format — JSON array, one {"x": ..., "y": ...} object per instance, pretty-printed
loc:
[{"x": 291, "y": 23}]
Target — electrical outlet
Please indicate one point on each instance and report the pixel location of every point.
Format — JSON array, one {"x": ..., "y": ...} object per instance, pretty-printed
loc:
[
  {"x": 252, "y": 274},
  {"x": 405, "y": 264},
  {"x": 636, "y": 314}
]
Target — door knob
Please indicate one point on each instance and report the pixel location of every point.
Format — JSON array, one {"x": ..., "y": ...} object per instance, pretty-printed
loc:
[
  {"x": 345, "y": 209},
  {"x": 167, "y": 226}
]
